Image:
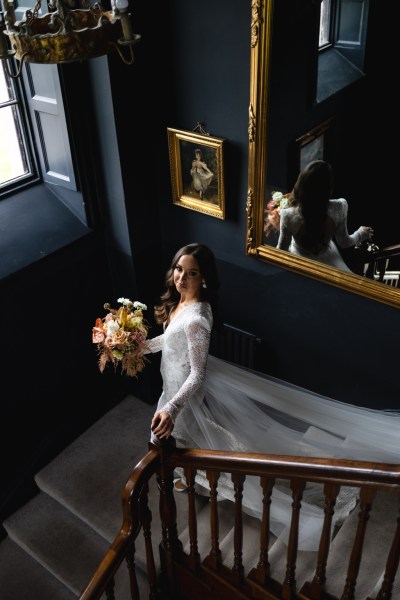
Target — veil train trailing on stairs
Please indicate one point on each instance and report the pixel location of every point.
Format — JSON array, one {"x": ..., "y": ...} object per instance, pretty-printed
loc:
[{"x": 251, "y": 412}]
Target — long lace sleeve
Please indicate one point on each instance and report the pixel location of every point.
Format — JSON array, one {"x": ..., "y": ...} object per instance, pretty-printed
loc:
[
  {"x": 198, "y": 339},
  {"x": 342, "y": 236},
  {"x": 153, "y": 345}
]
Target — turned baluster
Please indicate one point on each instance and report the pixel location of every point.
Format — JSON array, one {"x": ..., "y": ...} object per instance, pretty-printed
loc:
[
  {"x": 289, "y": 583},
  {"x": 385, "y": 593},
  {"x": 214, "y": 559},
  {"x": 194, "y": 557},
  {"x": 366, "y": 498},
  {"x": 262, "y": 572},
  {"x": 315, "y": 588},
  {"x": 237, "y": 568},
  {"x": 146, "y": 521}
]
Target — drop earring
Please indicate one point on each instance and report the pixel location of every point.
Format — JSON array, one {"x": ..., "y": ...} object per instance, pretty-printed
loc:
[{"x": 204, "y": 284}]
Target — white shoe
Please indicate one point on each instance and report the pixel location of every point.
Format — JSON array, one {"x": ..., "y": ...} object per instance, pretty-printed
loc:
[{"x": 180, "y": 485}]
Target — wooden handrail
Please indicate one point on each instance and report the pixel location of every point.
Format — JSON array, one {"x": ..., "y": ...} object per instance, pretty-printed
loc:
[
  {"x": 161, "y": 461},
  {"x": 342, "y": 471},
  {"x": 386, "y": 252}
]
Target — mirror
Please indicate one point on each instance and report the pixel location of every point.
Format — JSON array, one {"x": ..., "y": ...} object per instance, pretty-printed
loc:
[{"x": 259, "y": 191}]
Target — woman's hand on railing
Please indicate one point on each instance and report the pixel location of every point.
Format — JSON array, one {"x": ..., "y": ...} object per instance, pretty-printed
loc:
[{"x": 162, "y": 424}]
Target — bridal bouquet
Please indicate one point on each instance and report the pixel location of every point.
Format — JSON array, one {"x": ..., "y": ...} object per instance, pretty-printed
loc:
[
  {"x": 119, "y": 337},
  {"x": 272, "y": 211}
]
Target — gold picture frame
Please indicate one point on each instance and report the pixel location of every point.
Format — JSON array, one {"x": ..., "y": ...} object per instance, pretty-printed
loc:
[{"x": 197, "y": 171}]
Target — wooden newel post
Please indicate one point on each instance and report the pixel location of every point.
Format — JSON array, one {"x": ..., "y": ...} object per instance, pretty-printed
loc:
[{"x": 170, "y": 542}]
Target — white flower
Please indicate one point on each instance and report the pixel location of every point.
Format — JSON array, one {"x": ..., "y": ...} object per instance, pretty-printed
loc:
[
  {"x": 124, "y": 301},
  {"x": 277, "y": 196},
  {"x": 139, "y": 305},
  {"x": 112, "y": 327}
]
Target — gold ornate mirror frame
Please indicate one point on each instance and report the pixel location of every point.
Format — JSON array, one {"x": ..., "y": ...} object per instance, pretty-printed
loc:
[{"x": 261, "y": 36}]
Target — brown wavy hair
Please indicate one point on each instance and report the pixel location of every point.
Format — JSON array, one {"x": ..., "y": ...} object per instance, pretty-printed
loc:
[
  {"x": 311, "y": 193},
  {"x": 170, "y": 297}
]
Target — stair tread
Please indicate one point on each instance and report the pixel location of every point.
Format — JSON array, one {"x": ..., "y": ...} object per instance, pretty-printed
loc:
[
  {"x": 72, "y": 480},
  {"x": 69, "y": 495},
  {"x": 117, "y": 442},
  {"x": 70, "y": 507},
  {"x": 43, "y": 528},
  {"x": 23, "y": 578}
]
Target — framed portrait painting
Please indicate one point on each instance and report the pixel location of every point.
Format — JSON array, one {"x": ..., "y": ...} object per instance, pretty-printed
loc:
[
  {"x": 316, "y": 144},
  {"x": 197, "y": 171}
]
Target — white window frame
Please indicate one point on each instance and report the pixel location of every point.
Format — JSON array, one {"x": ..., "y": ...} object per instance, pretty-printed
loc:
[{"x": 40, "y": 113}]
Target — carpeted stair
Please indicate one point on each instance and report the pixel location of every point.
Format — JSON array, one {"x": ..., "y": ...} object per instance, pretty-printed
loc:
[
  {"x": 57, "y": 539},
  {"x": 78, "y": 507}
]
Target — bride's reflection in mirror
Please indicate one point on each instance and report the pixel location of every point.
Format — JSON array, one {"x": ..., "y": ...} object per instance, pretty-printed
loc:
[
  {"x": 285, "y": 104},
  {"x": 310, "y": 223}
]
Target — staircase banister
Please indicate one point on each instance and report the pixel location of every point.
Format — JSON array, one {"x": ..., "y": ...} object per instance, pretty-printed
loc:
[
  {"x": 388, "y": 251},
  {"x": 299, "y": 467},
  {"x": 163, "y": 458}
]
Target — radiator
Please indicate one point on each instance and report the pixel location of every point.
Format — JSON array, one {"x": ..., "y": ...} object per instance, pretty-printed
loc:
[{"x": 235, "y": 345}]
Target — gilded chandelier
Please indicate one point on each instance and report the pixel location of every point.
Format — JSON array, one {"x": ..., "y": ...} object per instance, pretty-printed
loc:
[{"x": 72, "y": 30}]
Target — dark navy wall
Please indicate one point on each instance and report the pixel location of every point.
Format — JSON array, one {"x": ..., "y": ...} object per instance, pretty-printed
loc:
[
  {"x": 193, "y": 64},
  {"x": 315, "y": 335}
]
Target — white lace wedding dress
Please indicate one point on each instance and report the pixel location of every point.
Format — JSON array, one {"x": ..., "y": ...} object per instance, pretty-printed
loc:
[
  {"x": 217, "y": 405},
  {"x": 291, "y": 221}
]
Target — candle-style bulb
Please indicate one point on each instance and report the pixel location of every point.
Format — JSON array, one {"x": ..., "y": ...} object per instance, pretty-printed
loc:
[{"x": 121, "y": 4}]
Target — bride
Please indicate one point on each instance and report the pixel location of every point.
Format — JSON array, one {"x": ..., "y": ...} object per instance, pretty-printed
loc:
[
  {"x": 312, "y": 220},
  {"x": 209, "y": 403}
]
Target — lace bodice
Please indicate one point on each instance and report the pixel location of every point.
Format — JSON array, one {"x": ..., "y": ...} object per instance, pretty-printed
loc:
[
  {"x": 292, "y": 220},
  {"x": 184, "y": 345}
]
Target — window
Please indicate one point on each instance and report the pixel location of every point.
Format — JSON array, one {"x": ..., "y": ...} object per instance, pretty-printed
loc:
[
  {"x": 34, "y": 135},
  {"x": 342, "y": 41},
  {"x": 42, "y": 208},
  {"x": 34, "y": 141},
  {"x": 17, "y": 165}
]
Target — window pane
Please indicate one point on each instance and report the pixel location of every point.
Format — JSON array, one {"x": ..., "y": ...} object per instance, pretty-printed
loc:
[
  {"x": 13, "y": 160},
  {"x": 324, "y": 26},
  {"x": 12, "y": 151},
  {"x": 6, "y": 89}
]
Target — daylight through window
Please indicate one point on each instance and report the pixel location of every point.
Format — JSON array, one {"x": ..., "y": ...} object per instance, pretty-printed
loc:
[{"x": 14, "y": 160}]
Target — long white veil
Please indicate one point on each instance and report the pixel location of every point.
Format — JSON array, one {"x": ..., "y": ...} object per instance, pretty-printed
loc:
[{"x": 248, "y": 411}]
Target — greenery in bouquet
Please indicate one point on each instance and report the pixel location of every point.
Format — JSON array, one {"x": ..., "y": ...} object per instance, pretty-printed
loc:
[{"x": 120, "y": 336}]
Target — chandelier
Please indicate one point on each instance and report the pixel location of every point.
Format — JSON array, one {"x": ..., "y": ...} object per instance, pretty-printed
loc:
[{"x": 67, "y": 33}]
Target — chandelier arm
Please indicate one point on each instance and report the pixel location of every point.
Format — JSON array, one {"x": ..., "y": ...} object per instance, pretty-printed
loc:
[
  {"x": 122, "y": 57},
  {"x": 16, "y": 75}
]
